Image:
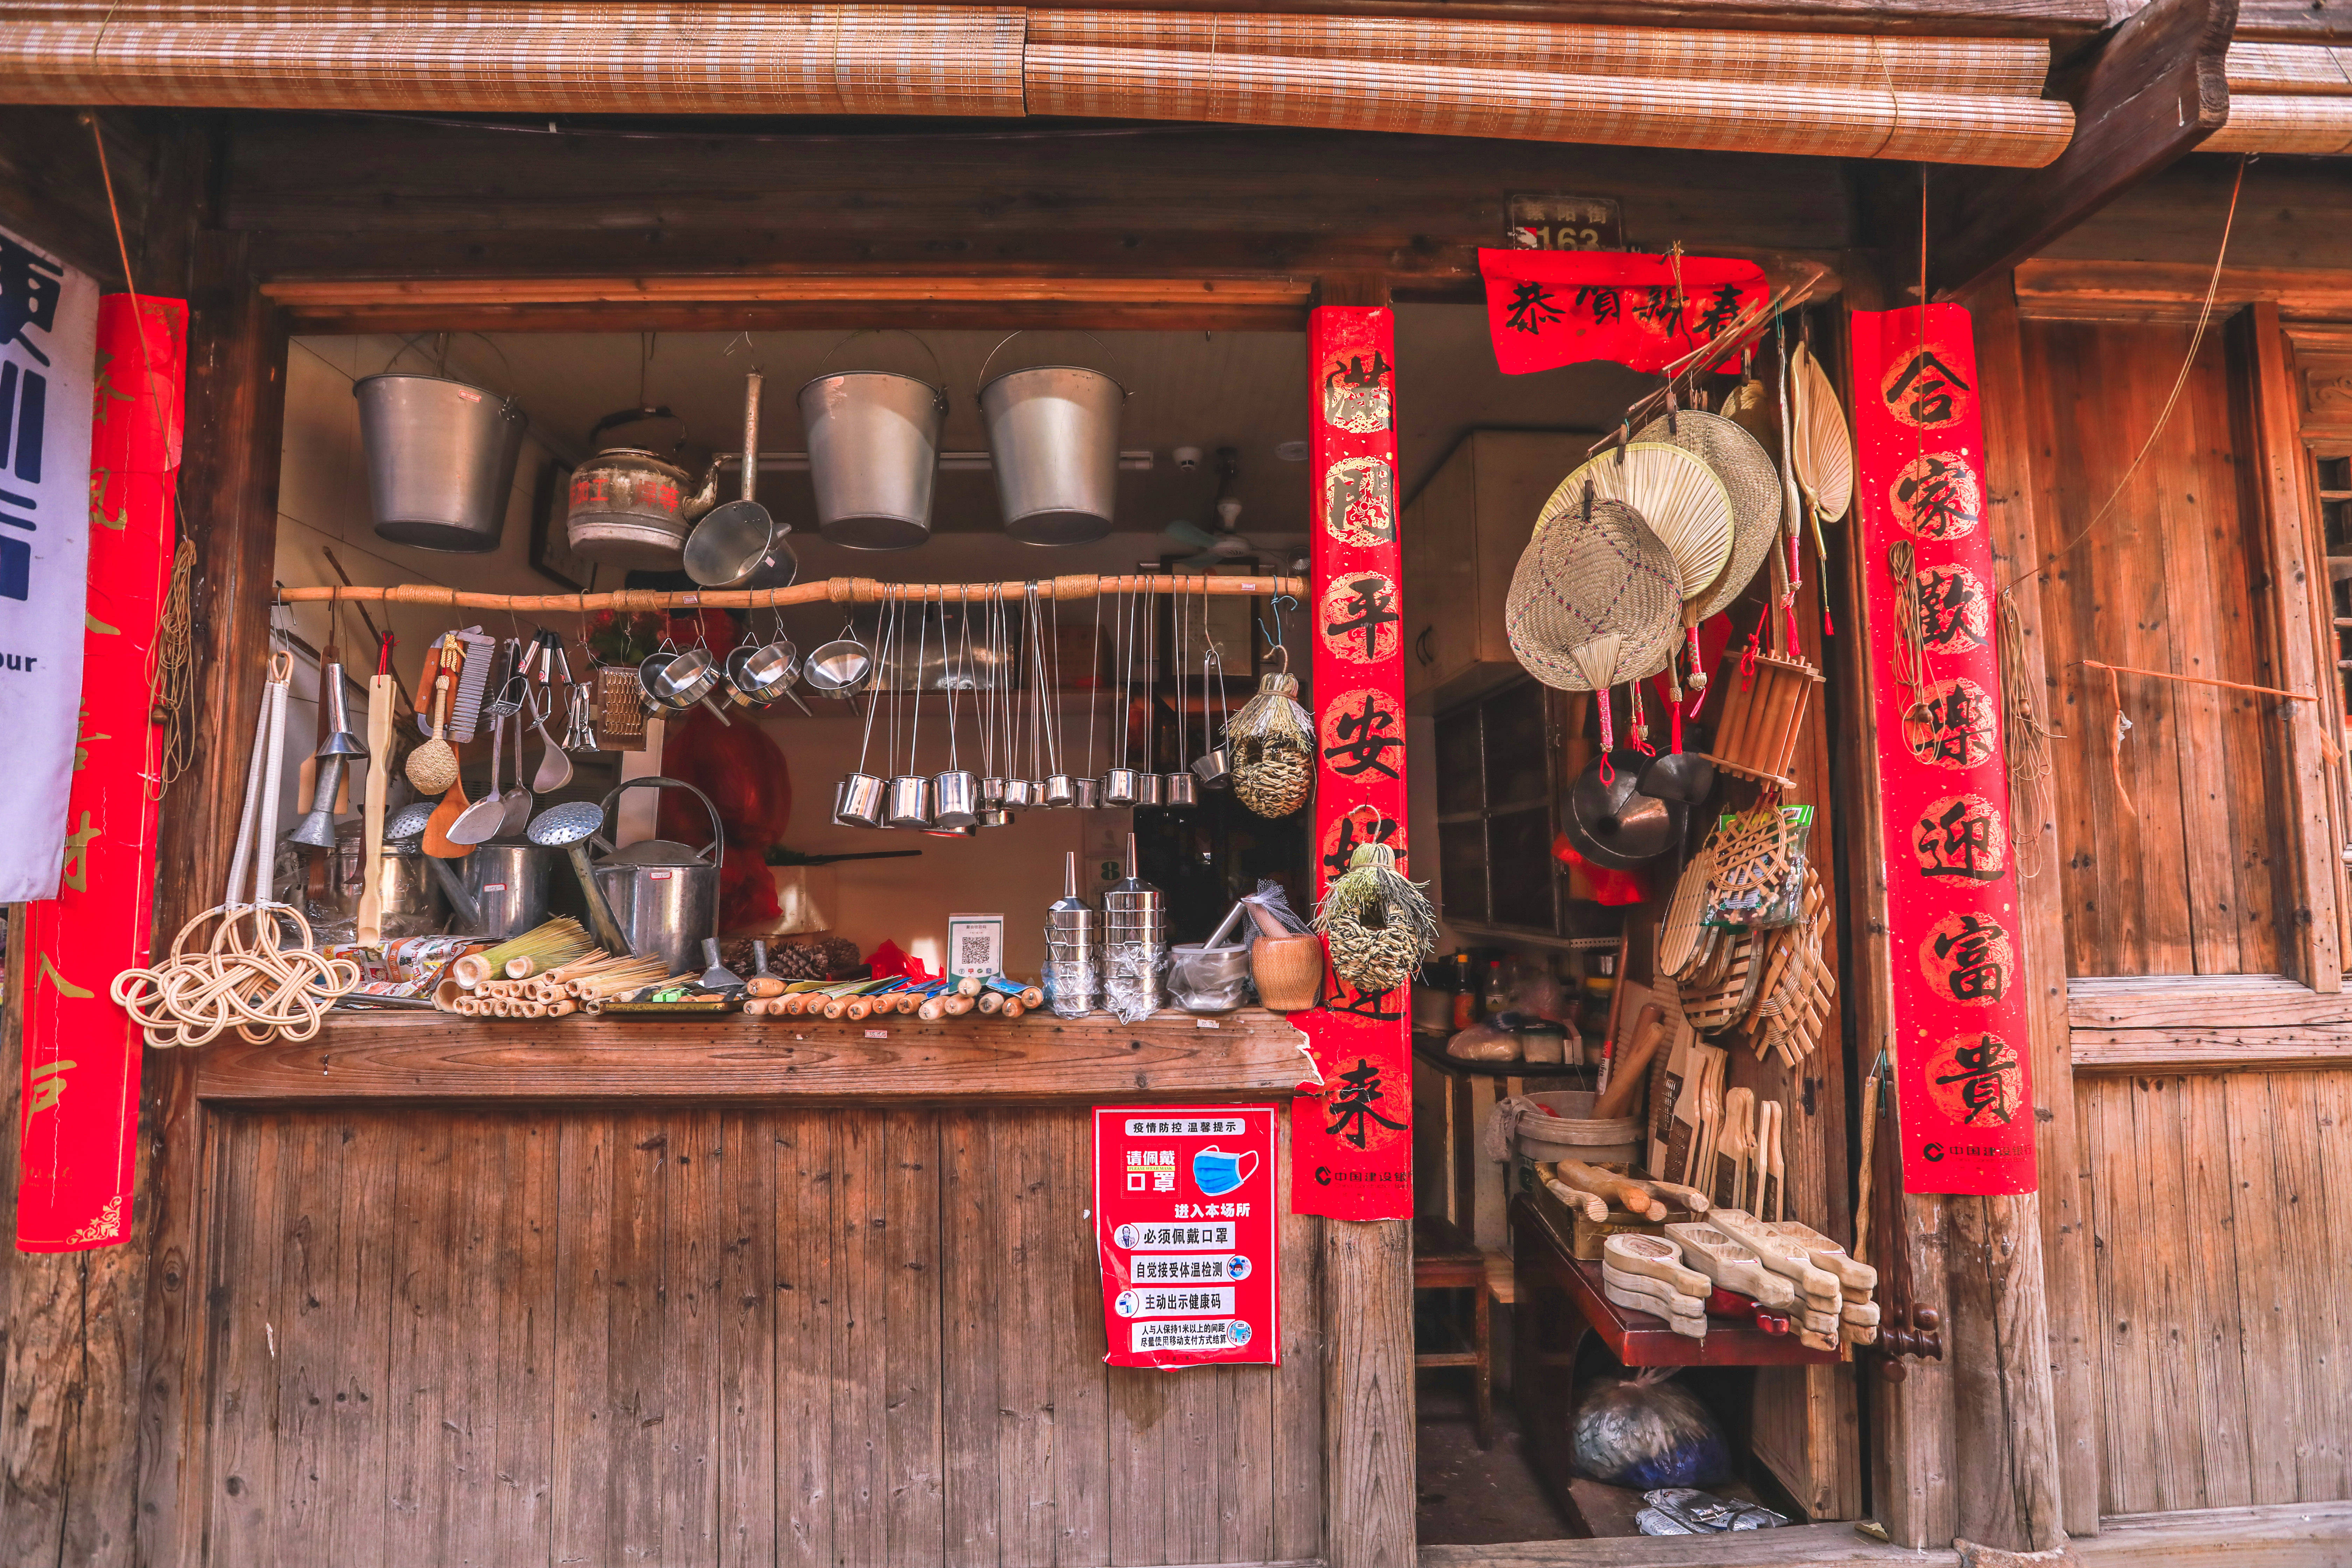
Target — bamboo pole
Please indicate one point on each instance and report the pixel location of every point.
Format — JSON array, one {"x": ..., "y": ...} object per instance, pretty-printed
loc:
[{"x": 830, "y": 590}]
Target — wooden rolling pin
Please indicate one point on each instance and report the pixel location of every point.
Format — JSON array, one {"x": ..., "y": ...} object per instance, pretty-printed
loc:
[
  {"x": 1631, "y": 1073},
  {"x": 1591, "y": 1205},
  {"x": 1626, "y": 1193}
]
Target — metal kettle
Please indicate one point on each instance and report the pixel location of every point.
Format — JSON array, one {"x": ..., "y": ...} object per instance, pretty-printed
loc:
[{"x": 663, "y": 895}]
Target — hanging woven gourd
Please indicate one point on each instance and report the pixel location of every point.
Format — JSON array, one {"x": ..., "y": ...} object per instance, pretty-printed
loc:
[
  {"x": 1379, "y": 927},
  {"x": 1270, "y": 746}
]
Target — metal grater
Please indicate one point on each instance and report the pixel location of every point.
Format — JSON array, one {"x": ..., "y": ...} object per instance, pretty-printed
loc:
[
  {"x": 473, "y": 684},
  {"x": 620, "y": 710}
]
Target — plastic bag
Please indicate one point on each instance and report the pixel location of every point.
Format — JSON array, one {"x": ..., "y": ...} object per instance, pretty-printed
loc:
[
  {"x": 1483, "y": 1042},
  {"x": 1682, "y": 1510},
  {"x": 1646, "y": 1432}
]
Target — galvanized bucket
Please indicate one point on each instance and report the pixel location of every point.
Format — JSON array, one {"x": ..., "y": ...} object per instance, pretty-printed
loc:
[
  {"x": 441, "y": 460},
  {"x": 1053, "y": 436},
  {"x": 873, "y": 451}
]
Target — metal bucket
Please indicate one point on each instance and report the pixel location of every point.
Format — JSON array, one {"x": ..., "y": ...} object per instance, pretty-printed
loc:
[
  {"x": 441, "y": 460},
  {"x": 1053, "y": 434},
  {"x": 873, "y": 451},
  {"x": 508, "y": 882}
]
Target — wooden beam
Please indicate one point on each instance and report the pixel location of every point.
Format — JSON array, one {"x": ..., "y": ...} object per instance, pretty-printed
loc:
[
  {"x": 2143, "y": 96},
  {"x": 2312, "y": 949},
  {"x": 2056, "y": 19},
  {"x": 2294, "y": 21},
  {"x": 438, "y": 1056},
  {"x": 2203, "y": 1002},
  {"x": 2063, "y": 288},
  {"x": 2215, "y": 1048}
]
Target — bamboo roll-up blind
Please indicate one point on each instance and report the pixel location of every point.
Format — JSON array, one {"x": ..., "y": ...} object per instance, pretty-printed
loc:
[
  {"x": 1453, "y": 101},
  {"x": 2287, "y": 98},
  {"x": 680, "y": 58},
  {"x": 1955, "y": 67}
]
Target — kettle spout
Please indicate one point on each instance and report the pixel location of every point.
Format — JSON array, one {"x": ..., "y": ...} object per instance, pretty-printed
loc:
[{"x": 690, "y": 508}]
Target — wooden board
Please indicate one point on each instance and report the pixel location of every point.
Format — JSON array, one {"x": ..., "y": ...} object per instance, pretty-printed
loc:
[
  {"x": 430, "y": 1056},
  {"x": 2220, "y": 1338},
  {"x": 701, "y": 1336}
]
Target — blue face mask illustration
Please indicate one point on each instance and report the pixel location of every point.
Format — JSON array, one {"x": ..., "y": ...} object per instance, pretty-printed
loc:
[{"x": 1216, "y": 1173}]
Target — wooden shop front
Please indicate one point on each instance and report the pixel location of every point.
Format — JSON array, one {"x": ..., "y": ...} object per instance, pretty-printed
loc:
[{"x": 416, "y": 1291}]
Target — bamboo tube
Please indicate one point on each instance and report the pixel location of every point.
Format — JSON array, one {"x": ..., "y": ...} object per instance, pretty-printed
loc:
[
  {"x": 830, "y": 590},
  {"x": 532, "y": 1009},
  {"x": 520, "y": 968},
  {"x": 562, "y": 1009},
  {"x": 557, "y": 941},
  {"x": 447, "y": 995}
]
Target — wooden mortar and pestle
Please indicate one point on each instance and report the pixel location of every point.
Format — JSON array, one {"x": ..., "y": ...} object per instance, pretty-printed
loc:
[{"x": 1287, "y": 965}]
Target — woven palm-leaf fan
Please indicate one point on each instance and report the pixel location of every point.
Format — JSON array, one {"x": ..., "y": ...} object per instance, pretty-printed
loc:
[
  {"x": 1677, "y": 496},
  {"x": 1823, "y": 449},
  {"x": 1748, "y": 478},
  {"x": 1595, "y": 601}
]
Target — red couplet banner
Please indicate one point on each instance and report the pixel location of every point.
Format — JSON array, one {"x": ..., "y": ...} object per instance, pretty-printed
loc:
[
  {"x": 1546, "y": 308},
  {"x": 1964, "y": 1090},
  {"x": 1352, "y": 1137},
  {"x": 82, "y": 1051},
  {"x": 1185, "y": 1227}
]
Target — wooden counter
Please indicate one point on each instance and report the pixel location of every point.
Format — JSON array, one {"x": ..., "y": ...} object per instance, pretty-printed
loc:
[{"x": 383, "y": 1057}]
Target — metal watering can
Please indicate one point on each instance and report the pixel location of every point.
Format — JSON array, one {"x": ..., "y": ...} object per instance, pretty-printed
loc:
[{"x": 663, "y": 895}]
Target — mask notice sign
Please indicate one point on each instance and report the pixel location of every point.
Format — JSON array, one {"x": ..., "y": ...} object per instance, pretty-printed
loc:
[{"x": 1185, "y": 1226}]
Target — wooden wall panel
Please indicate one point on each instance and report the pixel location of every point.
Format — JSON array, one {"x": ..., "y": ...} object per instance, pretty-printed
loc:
[
  {"x": 2171, "y": 845},
  {"x": 697, "y": 1336},
  {"x": 2215, "y": 1199}
]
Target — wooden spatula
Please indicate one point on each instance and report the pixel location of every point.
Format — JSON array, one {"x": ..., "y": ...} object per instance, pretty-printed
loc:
[{"x": 379, "y": 785}]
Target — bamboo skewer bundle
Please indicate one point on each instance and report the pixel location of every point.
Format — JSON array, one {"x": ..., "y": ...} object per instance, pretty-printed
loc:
[{"x": 559, "y": 940}]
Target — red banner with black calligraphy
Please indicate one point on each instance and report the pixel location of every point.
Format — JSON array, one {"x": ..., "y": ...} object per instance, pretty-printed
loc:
[
  {"x": 1546, "y": 308},
  {"x": 1964, "y": 1092},
  {"x": 1353, "y": 1135},
  {"x": 80, "y": 1126}
]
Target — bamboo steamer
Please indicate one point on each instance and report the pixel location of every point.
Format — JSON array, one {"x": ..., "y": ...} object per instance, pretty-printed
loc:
[{"x": 1288, "y": 971}]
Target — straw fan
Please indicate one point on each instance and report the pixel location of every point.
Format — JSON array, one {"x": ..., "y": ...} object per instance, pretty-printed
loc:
[
  {"x": 1676, "y": 494},
  {"x": 1823, "y": 452},
  {"x": 1749, "y": 481},
  {"x": 1596, "y": 598}
]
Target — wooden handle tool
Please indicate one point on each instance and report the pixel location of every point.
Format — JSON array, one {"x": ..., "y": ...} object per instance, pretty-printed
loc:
[
  {"x": 1630, "y": 1073},
  {"x": 1591, "y": 1205},
  {"x": 1869, "y": 1147},
  {"x": 1782, "y": 1256},
  {"x": 1675, "y": 1193},
  {"x": 1659, "y": 1258},
  {"x": 1628, "y": 1195},
  {"x": 1684, "y": 1314},
  {"x": 1730, "y": 1264},
  {"x": 379, "y": 787},
  {"x": 1854, "y": 1278}
]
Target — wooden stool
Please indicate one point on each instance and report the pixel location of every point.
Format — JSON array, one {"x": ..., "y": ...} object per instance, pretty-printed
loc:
[{"x": 1445, "y": 1259}]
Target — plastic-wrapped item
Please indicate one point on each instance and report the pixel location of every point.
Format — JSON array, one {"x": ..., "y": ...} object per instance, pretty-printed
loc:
[
  {"x": 1658, "y": 1521},
  {"x": 1694, "y": 1512},
  {"x": 1209, "y": 979},
  {"x": 1132, "y": 974},
  {"x": 1073, "y": 986},
  {"x": 1643, "y": 1431},
  {"x": 1487, "y": 1041}
]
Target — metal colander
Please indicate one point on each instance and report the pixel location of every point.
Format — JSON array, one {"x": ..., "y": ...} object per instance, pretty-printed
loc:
[
  {"x": 1595, "y": 599},
  {"x": 1751, "y": 480}
]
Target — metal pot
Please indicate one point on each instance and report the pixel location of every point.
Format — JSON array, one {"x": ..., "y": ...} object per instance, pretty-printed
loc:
[
  {"x": 664, "y": 894},
  {"x": 441, "y": 460},
  {"x": 509, "y": 884},
  {"x": 411, "y": 901},
  {"x": 626, "y": 510},
  {"x": 873, "y": 450}
]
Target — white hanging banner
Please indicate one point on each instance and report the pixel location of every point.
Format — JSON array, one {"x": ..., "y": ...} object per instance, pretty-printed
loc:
[{"x": 48, "y": 355}]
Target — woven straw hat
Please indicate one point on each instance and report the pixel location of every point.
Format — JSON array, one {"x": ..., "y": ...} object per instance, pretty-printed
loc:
[
  {"x": 1752, "y": 482},
  {"x": 1676, "y": 494},
  {"x": 1595, "y": 599}
]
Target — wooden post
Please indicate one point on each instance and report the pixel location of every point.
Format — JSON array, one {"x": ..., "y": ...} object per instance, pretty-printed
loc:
[
  {"x": 2005, "y": 1475},
  {"x": 236, "y": 387},
  {"x": 2069, "y": 1291}
]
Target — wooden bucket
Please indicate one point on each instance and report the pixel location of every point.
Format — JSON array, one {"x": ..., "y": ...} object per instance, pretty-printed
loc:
[{"x": 1574, "y": 1134}]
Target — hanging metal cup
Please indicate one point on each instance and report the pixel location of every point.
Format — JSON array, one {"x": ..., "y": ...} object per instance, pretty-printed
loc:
[
  {"x": 1088, "y": 794},
  {"x": 995, "y": 816},
  {"x": 911, "y": 801},
  {"x": 991, "y": 792},
  {"x": 860, "y": 805},
  {"x": 1020, "y": 792},
  {"x": 1179, "y": 789},
  {"x": 1060, "y": 789},
  {"x": 1211, "y": 769},
  {"x": 958, "y": 793},
  {"x": 1118, "y": 787},
  {"x": 1149, "y": 789}
]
